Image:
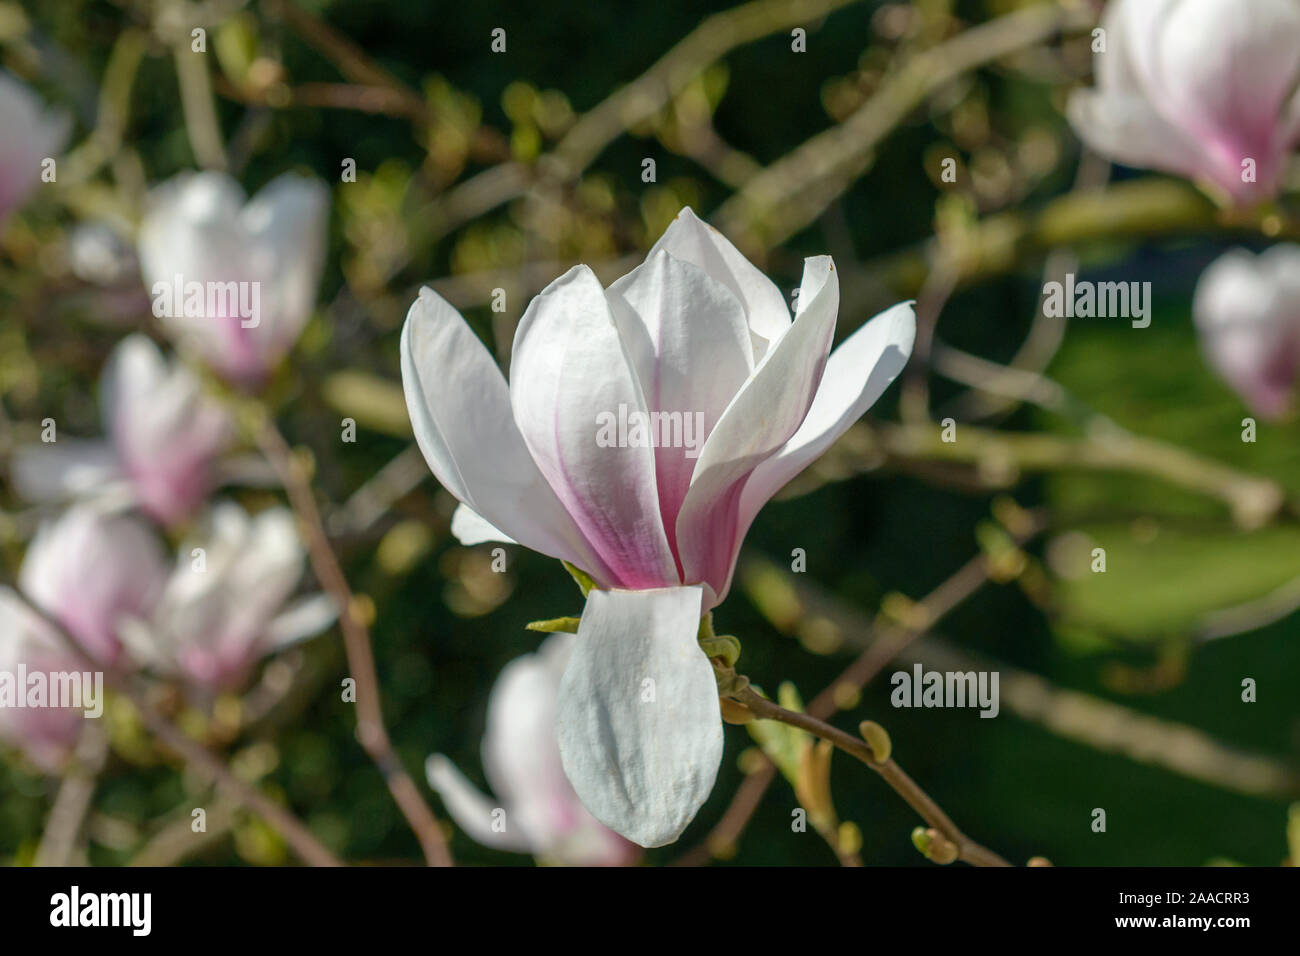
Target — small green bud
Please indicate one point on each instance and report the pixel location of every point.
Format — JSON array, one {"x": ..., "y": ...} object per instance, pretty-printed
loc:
[{"x": 877, "y": 739}]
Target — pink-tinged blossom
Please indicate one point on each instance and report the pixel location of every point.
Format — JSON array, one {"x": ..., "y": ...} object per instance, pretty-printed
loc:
[
  {"x": 165, "y": 438},
  {"x": 89, "y": 571},
  {"x": 695, "y": 332},
  {"x": 1205, "y": 89},
  {"x": 47, "y": 735},
  {"x": 226, "y": 605},
  {"x": 30, "y": 133},
  {"x": 536, "y": 810},
  {"x": 200, "y": 228},
  {"x": 1247, "y": 310}
]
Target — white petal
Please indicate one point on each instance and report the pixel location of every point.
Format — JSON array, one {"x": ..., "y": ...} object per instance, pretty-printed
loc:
[
  {"x": 191, "y": 230},
  {"x": 31, "y": 133},
  {"x": 460, "y": 410},
  {"x": 1226, "y": 73},
  {"x": 569, "y": 371},
  {"x": 639, "y": 722},
  {"x": 1127, "y": 130},
  {"x": 302, "y": 619},
  {"x": 142, "y": 645},
  {"x": 688, "y": 343},
  {"x": 761, "y": 418},
  {"x": 692, "y": 240},
  {"x": 472, "y": 528},
  {"x": 89, "y": 570},
  {"x": 287, "y": 223},
  {"x": 521, "y": 754},
  {"x": 1246, "y": 310},
  {"x": 167, "y": 432},
  {"x": 20, "y": 626},
  {"x": 191, "y": 223},
  {"x": 470, "y": 809},
  {"x": 65, "y": 469},
  {"x": 857, "y": 374}
]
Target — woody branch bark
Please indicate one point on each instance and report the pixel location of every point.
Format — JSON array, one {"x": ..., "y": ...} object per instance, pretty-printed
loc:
[{"x": 356, "y": 640}]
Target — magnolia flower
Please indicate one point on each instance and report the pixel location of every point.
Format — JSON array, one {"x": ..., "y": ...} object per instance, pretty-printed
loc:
[
  {"x": 1205, "y": 89},
  {"x": 236, "y": 280},
  {"x": 164, "y": 438},
  {"x": 47, "y": 735},
  {"x": 32, "y": 134},
  {"x": 539, "y": 813},
  {"x": 89, "y": 571},
  {"x": 223, "y": 607},
  {"x": 1247, "y": 309},
  {"x": 697, "y": 335}
]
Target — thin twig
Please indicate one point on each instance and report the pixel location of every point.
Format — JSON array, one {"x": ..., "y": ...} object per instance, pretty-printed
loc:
[
  {"x": 294, "y": 832},
  {"x": 198, "y": 107},
  {"x": 639, "y": 100},
  {"x": 67, "y": 818},
  {"x": 930, "y": 609},
  {"x": 301, "y": 839},
  {"x": 722, "y": 839},
  {"x": 792, "y": 192},
  {"x": 1072, "y": 715},
  {"x": 893, "y": 774},
  {"x": 356, "y": 640}
]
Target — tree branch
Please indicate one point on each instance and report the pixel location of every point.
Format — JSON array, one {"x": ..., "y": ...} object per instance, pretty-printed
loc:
[
  {"x": 356, "y": 640},
  {"x": 893, "y": 774}
]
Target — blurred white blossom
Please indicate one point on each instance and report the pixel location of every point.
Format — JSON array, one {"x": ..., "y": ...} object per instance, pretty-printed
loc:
[
  {"x": 90, "y": 570},
  {"x": 47, "y": 735},
  {"x": 226, "y": 604},
  {"x": 538, "y": 811},
  {"x": 1206, "y": 89},
  {"x": 30, "y": 133},
  {"x": 199, "y": 228},
  {"x": 1247, "y": 310},
  {"x": 165, "y": 436}
]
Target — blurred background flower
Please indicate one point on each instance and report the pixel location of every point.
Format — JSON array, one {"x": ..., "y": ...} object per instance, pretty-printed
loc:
[
  {"x": 164, "y": 438},
  {"x": 34, "y": 134},
  {"x": 539, "y": 812},
  {"x": 226, "y": 603},
  {"x": 1247, "y": 309},
  {"x": 1195, "y": 88},
  {"x": 199, "y": 231}
]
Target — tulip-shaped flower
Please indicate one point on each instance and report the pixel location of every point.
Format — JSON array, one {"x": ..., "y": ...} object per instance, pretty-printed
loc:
[
  {"x": 539, "y": 813},
  {"x": 235, "y": 279},
  {"x": 1205, "y": 89},
  {"x": 224, "y": 606},
  {"x": 164, "y": 438},
  {"x": 90, "y": 571},
  {"x": 1247, "y": 310},
  {"x": 28, "y": 645},
  {"x": 642, "y": 429},
  {"x": 31, "y": 134}
]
